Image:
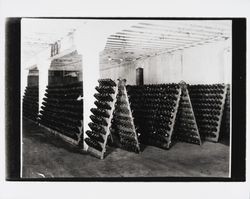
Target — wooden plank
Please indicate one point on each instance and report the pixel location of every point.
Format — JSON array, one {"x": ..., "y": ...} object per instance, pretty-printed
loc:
[
  {"x": 185, "y": 99},
  {"x": 101, "y": 154},
  {"x": 181, "y": 27},
  {"x": 95, "y": 152},
  {"x": 146, "y": 41},
  {"x": 171, "y": 37},
  {"x": 122, "y": 86},
  {"x": 174, "y": 118}
]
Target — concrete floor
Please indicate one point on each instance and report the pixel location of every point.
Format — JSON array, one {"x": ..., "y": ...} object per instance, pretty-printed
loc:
[{"x": 46, "y": 156}]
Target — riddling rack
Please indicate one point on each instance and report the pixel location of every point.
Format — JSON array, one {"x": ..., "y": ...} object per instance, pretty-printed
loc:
[
  {"x": 123, "y": 128},
  {"x": 99, "y": 134},
  {"x": 208, "y": 104},
  {"x": 225, "y": 123},
  {"x": 30, "y": 103},
  {"x": 62, "y": 112},
  {"x": 155, "y": 109},
  {"x": 186, "y": 128}
]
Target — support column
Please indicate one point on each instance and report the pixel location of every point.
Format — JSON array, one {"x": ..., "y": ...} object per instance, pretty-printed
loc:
[
  {"x": 43, "y": 68},
  {"x": 90, "y": 39},
  {"x": 88, "y": 46}
]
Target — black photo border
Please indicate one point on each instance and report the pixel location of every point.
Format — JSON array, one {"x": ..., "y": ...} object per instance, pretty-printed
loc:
[{"x": 12, "y": 104}]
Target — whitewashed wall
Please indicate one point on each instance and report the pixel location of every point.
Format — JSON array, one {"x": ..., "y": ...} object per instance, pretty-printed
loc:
[
  {"x": 208, "y": 63},
  {"x": 126, "y": 71},
  {"x": 165, "y": 68}
]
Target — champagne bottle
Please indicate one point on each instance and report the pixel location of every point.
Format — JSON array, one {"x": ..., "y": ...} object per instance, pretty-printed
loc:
[
  {"x": 95, "y": 136},
  {"x": 106, "y": 82},
  {"x": 93, "y": 144},
  {"x": 98, "y": 120}
]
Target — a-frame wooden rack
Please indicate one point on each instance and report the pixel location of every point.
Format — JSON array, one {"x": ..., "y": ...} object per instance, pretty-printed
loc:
[
  {"x": 186, "y": 128},
  {"x": 101, "y": 119},
  {"x": 123, "y": 128},
  {"x": 169, "y": 105},
  {"x": 163, "y": 114},
  {"x": 111, "y": 105}
]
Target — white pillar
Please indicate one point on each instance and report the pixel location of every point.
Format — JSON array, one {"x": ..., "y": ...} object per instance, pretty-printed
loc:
[
  {"x": 90, "y": 39},
  {"x": 90, "y": 76},
  {"x": 43, "y": 67},
  {"x": 88, "y": 46}
]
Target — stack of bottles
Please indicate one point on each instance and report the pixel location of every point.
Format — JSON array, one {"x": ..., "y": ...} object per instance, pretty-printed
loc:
[
  {"x": 208, "y": 104},
  {"x": 158, "y": 115},
  {"x": 62, "y": 110},
  {"x": 123, "y": 128},
  {"x": 101, "y": 117},
  {"x": 154, "y": 109},
  {"x": 186, "y": 129},
  {"x": 30, "y": 103},
  {"x": 225, "y": 125}
]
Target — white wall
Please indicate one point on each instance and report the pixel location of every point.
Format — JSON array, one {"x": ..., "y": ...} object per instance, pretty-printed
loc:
[
  {"x": 126, "y": 70},
  {"x": 207, "y": 63},
  {"x": 165, "y": 68}
]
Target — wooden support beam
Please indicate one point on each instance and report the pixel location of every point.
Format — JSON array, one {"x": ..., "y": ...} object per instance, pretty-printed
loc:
[
  {"x": 200, "y": 30},
  {"x": 146, "y": 41},
  {"x": 177, "y": 31}
]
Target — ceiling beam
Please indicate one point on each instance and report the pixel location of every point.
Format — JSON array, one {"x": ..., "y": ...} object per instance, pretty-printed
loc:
[
  {"x": 176, "y": 31},
  {"x": 183, "y": 27},
  {"x": 143, "y": 41},
  {"x": 155, "y": 35},
  {"x": 164, "y": 39},
  {"x": 139, "y": 44},
  {"x": 184, "y": 34}
]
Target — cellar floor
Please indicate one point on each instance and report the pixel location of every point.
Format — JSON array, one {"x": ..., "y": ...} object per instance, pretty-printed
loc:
[{"x": 46, "y": 156}]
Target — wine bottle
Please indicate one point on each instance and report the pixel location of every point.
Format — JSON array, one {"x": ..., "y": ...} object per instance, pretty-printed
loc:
[
  {"x": 105, "y": 89},
  {"x": 97, "y": 128},
  {"x": 93, "y": 143},
  {"x": 103, "y": 97},
  {"x": 102, "y": 105},
  {"x": 106, "y": 82},
  {"x": 95, "y": 136},
  {"x": 98, "y": 120},
  {"x": 100, "y": 112}
]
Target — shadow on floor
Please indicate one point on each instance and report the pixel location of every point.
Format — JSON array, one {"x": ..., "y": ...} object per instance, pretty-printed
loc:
[
  {"x": 47, "y": 156},
  {"x": 41, "y": 135}
]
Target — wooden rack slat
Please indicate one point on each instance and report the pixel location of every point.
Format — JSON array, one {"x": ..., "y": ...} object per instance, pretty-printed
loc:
[
  {"x": 93, "y": 151},
  {"x": 123, "y": 97},
  {"x": 186, "y": 132}
]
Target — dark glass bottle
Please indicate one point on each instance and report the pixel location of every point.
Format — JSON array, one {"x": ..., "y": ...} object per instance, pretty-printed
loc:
[{"x": 93, "y": 143}]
